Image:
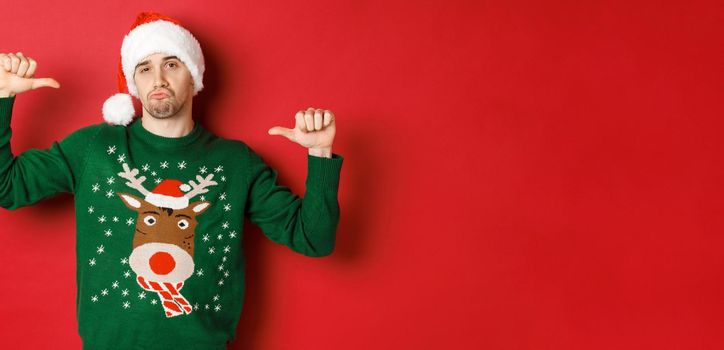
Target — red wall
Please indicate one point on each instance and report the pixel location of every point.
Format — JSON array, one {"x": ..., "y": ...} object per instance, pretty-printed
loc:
[{"x": 518, "y": 174}]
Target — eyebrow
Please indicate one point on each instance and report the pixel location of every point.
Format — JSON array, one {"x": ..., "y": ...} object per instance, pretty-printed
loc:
[
  {"x": 149, "y": 61},
  {"x": 151, "y": 212},
  {"x": 177, "y": 215}
]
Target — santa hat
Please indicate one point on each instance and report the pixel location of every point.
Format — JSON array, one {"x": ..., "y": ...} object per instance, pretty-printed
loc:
[
  {"x": 151, "y": 33},
  {"x": 169, "y": 194}
]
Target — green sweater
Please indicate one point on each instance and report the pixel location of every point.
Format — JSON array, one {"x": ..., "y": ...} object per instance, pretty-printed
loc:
[{"x": 159, "y": 225}]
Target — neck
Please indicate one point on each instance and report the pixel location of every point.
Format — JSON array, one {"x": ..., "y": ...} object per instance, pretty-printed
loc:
[{"x": 178, "y": 125}]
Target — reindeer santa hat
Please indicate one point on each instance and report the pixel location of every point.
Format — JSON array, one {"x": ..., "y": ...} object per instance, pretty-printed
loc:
[
  {"x": 169, "y": 194},
  {"x": 151, "y": 33}
]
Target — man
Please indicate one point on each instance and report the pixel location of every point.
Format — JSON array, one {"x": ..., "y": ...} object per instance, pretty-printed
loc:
[{"x": 160, "y": 200}]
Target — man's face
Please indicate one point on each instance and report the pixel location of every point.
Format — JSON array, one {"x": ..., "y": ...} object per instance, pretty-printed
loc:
[{"x": 164, "y": 85}]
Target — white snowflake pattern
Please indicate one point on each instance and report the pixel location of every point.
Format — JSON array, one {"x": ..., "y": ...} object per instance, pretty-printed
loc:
[
  {"x": 219, "y": 168},
  {"x": 145, "y": 167},
  {"x": 221, "y": 282},
  {"x": 164, "y": 165},
  {"x": 182, "y": 164},
  {"x": 200, "y": 272},
  {"x": 154, "y": 301},
  {"x": 222, "y": 196},
  {"x": 121, "y": 158},
  {"x": 126, "y": 304},
  {"x": 221, "y": 267},
  {"x": 206, "y": 306},
  {"x": 101, "y": 249},
  {"x": 111, "y": 150},
  {"x": 108, "y": 232},
  {"x": 94, "y": 298},
  {"x": 223, "y": 258},
  {"x": 203, "y": 198},
  {"x": 227, "y": 249},
  {"x": 220, "y": 236},
  {"x": 157, "y": 181},
  {"x": 203, "y": 170},
  {"x": 129, "y": 221},
  {"x": 124, "y": 261},
  {"x": 102, "y": 219},
  {"x": 227, "y": 207},
  {"x": 110, "y": 180},
  {"x": 96, "y": 187},
  {"x": 115, "y": 219},
  {"x": 226, "y": 273},
  {"x": 114, "y": 285},
  {"x": 104, "y": 292},
  {"x": 125, "y": 292},
  {"x": 153, "y": 173},
  {"x": 109, "y": 194},
  {"x": 92, "y": 262},
  {"x": 196, "y": 307},
  {"x": 216, "y": 297},
  {"x": 212, "y": 250},
  {"x": 217, "y": 308},
  {"x": 205, "y": 238},
  {"x": 232, "y": 234},
  {"x": 142, "y": 295},
  {"x": 225, "y": 225},
  {"x": 223, "y": 178},
  {"x": 127, "y": 274},
  {"x": 90, "y": 210}
]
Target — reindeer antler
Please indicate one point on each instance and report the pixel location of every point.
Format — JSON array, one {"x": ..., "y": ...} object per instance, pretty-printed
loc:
[
  {"x": 201, "y": 186},
  {"x": 133, "y": 182}
]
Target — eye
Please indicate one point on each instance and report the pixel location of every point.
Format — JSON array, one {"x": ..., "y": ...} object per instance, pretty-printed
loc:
[
  {"x": 172, "y": 64},
  {"x": 183, "y": 224},
  {"x": 149, "y": 220}
]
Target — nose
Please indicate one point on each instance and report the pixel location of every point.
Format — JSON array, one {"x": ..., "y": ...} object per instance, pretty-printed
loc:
[
  {"x": 162, "y": 263},
  {"x": 159, "y": 78}
]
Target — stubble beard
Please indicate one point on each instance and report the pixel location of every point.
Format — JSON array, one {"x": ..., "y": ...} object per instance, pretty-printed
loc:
[{"x": 162, "y": 109}]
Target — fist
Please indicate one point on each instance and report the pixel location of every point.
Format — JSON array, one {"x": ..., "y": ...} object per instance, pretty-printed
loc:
[
  {"x": 17, "y": 75},
  {"x": 314, "y": 128}
]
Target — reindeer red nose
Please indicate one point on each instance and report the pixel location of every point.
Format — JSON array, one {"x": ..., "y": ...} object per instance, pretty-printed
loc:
[{"x": 162, "y": 263}]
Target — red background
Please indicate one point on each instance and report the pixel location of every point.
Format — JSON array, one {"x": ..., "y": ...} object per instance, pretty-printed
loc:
[{"x": 518, "y": 174}]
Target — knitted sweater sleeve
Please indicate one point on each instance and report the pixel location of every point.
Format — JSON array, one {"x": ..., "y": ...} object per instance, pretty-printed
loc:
[
  {"x": 307, "y": 226},
  {"x": 39, "y": 173}
]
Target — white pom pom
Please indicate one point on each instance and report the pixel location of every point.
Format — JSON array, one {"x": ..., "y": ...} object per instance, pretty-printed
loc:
[
  {"x": 118, "y": 109},
  {"x": 185, "y": 187}
]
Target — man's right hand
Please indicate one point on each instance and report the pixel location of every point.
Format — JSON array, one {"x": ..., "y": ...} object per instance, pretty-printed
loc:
[{"x": 16, "y": 75}]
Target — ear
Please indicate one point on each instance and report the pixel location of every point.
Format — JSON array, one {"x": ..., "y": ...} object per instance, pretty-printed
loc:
[
  {"x": 199, "y": 207},
  {"x": 131, "y": 201}
]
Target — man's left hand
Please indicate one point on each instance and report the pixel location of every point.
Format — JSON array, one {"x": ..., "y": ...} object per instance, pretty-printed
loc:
[{"x": 314, "y": 129}]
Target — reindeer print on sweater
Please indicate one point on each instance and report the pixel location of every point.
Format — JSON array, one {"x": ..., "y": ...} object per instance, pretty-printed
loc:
[{"x": 163, "y": 242}]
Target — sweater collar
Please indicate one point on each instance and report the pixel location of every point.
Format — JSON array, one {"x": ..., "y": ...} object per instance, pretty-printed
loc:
[{"x": 137, "y": 130}]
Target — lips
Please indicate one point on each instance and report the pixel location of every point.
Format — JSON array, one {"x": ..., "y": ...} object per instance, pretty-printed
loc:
[{"x": 159, "y": 95}]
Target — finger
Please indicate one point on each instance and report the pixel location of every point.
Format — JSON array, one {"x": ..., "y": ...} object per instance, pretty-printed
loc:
[
  {"x": 299, "y": 121},
  {"x": 318, "y": 118},
  {"x": 6, "y": 62},
  {"x": 24, "y": 64},
  {"x": 278, "y": 130},
  {"x": 328, "y": 117},
  {"x": 31, "y": 68},
  {"x": 309, "y": 119},
  {"x": 15, "y": 62},
  {"x": 44, "y": 82}
]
